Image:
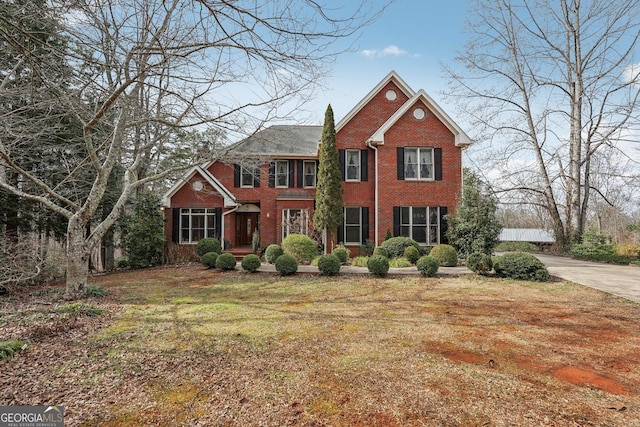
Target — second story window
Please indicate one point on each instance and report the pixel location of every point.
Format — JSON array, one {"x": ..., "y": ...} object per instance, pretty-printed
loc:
[
  {"x": 248, "y": 176},
  {"x": 309, "y": 171},
  {"x": 418, "y": 163},
  {"x": 282, "y": 173},
  {"x": 352, "y": 160}
]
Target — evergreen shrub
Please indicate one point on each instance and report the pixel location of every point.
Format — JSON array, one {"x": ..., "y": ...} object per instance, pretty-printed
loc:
[
  {"x": 208, "y": 244},
  {"x": 510, "y": 246},
  {"x": 209, "y": 259},
  {"x": 412, "y": 254},
  {"x": 446, "y": 255},
  {"x": 272, "y": 253},
  {"x": 520, "y": 266},
  {"x": 395, "y": 246},
  {"x": 479, "y": 263},
  {"x": 379, "y": 250},
  {"x": 329, "y": 265},
  {"x": 342, "y": 253},
  {"x": 226, "y": 262},
  {"x": 378, "y": 265},
  {"x": 301, "y": 247},
  {"x": 286, "y": 265},
  {"x": 427, "y": 265},
  {"x": 251, "y": 263}
]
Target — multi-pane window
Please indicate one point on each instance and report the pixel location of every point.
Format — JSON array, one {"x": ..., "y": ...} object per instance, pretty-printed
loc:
[
  {"x": 418, "y": 163},
  {"x": 309, "y": 172},
  {"x": 294, "y": 221},
  {"x": 248, "y": 175},
  {"x": 352, "y": 225},
  {"x": 420, "y": 224},
  {"x": 352, "y": 165},
  {"x": 196, "y": 224},
  {"x": 282, "y": 173}
]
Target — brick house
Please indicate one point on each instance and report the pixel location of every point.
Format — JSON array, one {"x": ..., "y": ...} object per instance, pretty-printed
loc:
[{"x": 401, "y": 160}]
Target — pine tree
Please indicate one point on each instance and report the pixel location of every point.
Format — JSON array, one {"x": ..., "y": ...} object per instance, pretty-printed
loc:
[{"x": 328, "y": 214}]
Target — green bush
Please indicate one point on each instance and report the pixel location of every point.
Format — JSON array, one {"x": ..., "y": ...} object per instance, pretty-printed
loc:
[
  {"x": 400, "y": 263},
  {"x": 329, "y": 265},
  {"x": 427, "y": 265},
  {"x": 516, "y": 247},
  {"x": 596, "y": 246},
  {"x": 9, "y": 348},
  {"x": 446, "y": 255},
  {"x": 378, "y": 265},
  {"x": 412, "y": 254},
  {"x": 395, "y": 246},
  {"x": 251, "y": 263},
  {"x": 95, "y": 291},
  {"x": 272, "y": 253},
  {"x": 286, "y": 265},
  {"x": 208, "y": 244},
  {"x": 379, "y": 250},
  {"x": 226, "y": 262},
  {"x": 479, "y": 263},
  {"x": 142, "y": 231},
  {"x": 360, "y": 261},
  {"x": 301, "y": 247},
  {"x": 209, "y": 259},
  {"x": 520, "y": 266},
  {"x": 342, "y": 253}
]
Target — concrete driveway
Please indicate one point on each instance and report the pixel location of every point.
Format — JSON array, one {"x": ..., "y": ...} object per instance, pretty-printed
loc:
[{"x": 623, "y": 281}]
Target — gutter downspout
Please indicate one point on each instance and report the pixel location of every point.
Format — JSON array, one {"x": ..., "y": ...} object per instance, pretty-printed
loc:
[
  {"x": 375, "y": 152},
  {"x": 223, "y": 224}
]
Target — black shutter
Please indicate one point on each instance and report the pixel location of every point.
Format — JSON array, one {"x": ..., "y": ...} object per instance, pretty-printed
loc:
[
  {"x": 396, "y": 221},
  {"x": 292, "y": 168},
  {"x": 175, "y": 226},
  {"x": 218, "y": 221},
  {"x": 444, "y": 225},
  {"x": 236, "y": 175},
  {"x": 341, "y": 155},
  {"x": 256, "y": 176},
  {"x": 300, "y": 173},
  {"x": 365, "y": 224},
  {"x": 272, "y": 174},
  {"x": 437, "y": 158},
  {"x": 341, "y": 230},
  {"x": 364, "y": 166},
  {"x": 400, "y": 163}
]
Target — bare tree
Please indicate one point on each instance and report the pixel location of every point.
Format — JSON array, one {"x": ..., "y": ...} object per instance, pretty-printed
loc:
[
  {"x": 546, "y": 87},
  {"x": 143, "y": 70}
]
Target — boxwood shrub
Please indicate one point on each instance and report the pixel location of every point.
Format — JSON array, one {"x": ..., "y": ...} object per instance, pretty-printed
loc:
[
  {"x": 379, "y": 250},
  {"x": 428, "y": 265},
  {"x": 286, "y": 265},
  {"x": 209, "y": 259},
  {"x": 301, "y": 247},
  {"x": 226, "y": 262},
  {"x": 412, "y": 254},
  {"x": 272, "y": 253},
  {"x": 251, "y": 263},
  {"x": 520, "y": 266},
  {"x": 446, "y": 255},
  {"x": 378, "y": 265},
  {"x": 208, "y": 244},
  {"x": 479, "y": 263},
  {"x": 329, "y": 265},
  {"x": 341, "y": 252},
  {"x": 395, "y": 246}
]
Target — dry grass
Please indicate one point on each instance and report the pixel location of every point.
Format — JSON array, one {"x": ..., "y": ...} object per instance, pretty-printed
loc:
[{"x": 189, "y": 346}]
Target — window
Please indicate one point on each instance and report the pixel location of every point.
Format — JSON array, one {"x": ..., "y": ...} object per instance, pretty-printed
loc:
[
  {"x": 420, "y": 224},
  {"x": 248, "y": 176},
  {"x": 418, "y": 163},
  {"x": 282, "y": 173},
  {"x": 309, "y": 172},
  {"x": 353, "y": 165},
  {"x": 196, "y": 224},
  {"x": 294, "y": 221},
  {"x": 352, "y": 226}
]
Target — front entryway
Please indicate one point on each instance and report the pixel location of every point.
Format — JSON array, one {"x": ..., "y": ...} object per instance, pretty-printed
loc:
[{"x": 246, "y": 225}]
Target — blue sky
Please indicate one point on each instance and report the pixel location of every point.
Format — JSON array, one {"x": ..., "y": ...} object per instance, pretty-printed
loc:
[{"x": 412, "y": 37}]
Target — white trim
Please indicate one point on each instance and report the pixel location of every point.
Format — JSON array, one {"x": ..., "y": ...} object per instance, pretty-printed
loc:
[
  {"x": 229, "y": 198},
  {"x": 461, "y": 138},
  {"x": 391, "y": 77},
  {"x": 358, "y": 165}
]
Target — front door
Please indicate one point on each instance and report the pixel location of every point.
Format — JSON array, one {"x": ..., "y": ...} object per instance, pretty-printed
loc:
[{"x": 246, "y": 224}]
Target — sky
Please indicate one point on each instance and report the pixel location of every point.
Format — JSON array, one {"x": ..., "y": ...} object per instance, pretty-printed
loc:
[{"x": 411, "y": 37}]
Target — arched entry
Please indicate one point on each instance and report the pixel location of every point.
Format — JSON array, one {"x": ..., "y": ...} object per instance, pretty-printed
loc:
[{"x": 247, "y": 222}]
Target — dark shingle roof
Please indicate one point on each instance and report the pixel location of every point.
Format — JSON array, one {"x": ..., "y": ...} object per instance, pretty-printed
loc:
[{"x": 280, "y": 141}]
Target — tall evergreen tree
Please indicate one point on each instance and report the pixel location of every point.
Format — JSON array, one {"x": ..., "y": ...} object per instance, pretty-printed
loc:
[
  {"x": 474, "y": 227},
  {"x": 328, "y": 214}
]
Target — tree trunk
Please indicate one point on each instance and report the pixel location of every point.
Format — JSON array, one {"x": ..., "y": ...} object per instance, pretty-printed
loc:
[{"x": 77, "y": 259}]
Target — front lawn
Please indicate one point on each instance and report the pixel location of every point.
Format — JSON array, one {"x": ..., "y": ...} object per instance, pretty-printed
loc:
[{"x": 190, "y": 346}]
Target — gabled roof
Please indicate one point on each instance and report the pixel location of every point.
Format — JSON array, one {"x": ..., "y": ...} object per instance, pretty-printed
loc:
[
  {"x": 391, "y": 77},
  {"x": 229, "y": 198},
  {"x": 461, "y": 138},
  {"x": 280, "y": 141}
]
